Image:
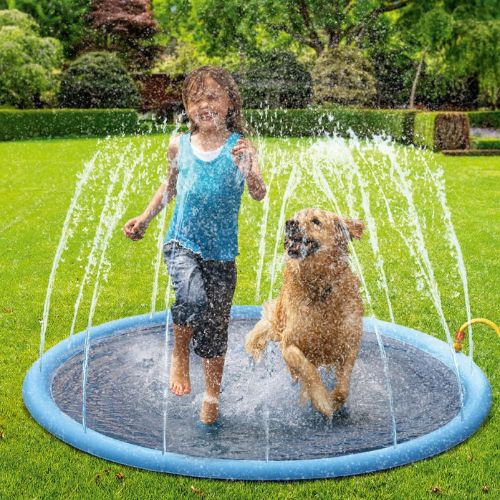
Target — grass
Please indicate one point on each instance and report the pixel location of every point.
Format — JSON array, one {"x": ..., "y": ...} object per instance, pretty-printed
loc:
[{"x": 37, "y": 180}]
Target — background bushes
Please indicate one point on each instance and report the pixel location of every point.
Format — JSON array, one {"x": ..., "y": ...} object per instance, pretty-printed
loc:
[
  {"x": 16, "y": 125},
  {"x": 486, "y": 143},
  {"x": 433, "y": 130},
  {"x": 423, "y": 133},
  {"x": 441, "y": 131},
  {"x": 97, "y": 80},
  {"x": 310, "y": 122},
  {"x": 275, "y": 80},
  {"x": 343, "y": 75},
  {"x": 485, "y": 119},
  {"x": 29, "y": 63}
]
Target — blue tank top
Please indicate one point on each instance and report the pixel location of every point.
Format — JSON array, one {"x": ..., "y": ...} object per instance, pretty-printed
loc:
[{"x": 208, "y": 200}]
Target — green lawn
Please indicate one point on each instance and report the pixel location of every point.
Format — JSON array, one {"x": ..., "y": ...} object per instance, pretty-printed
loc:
[{"x": 37, "y": 182}]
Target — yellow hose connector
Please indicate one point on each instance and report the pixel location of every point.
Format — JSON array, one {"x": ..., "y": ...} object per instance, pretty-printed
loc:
[{"x": 460, "y": 335}]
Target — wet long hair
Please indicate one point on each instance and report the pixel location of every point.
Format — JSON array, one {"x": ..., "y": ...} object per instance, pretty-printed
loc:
[{"x": 195, "y": 82}]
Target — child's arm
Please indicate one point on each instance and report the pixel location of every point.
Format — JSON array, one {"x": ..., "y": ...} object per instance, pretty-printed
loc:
[
  {"x": 245, "y": 157},
  {"x": 136, "y": 227}
]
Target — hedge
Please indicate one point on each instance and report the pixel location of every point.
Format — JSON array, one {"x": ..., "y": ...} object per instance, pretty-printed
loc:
[
  {"x": 27, "y": 124},
  {"x": 486, "y": 143},
  {"x": 433, "y": 130},
  {"x": 423, "y": 132},
  {"x": 318, "y": 121},
  {"x": 484, "y": 119},
  {"x": 441, "y": 130}
]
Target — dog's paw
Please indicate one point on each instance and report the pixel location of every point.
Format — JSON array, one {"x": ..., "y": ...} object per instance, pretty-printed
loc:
[
  {"x": 321, "y": 401},
  {"x": 338, "y": 399},
  {"x": 254, "y": 346},
  {"x": 304, "y": 396}
]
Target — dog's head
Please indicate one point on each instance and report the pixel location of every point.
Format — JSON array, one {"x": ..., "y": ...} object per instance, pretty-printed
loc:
[{"x": 313, "y": 230}]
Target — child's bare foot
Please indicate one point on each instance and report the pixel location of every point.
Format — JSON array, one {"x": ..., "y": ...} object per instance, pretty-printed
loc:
[
  {"x": 209, "y": 410},
  {"x": 180, "y": 383}
]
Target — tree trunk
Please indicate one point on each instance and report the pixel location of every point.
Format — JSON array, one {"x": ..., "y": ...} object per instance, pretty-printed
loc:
[{"x": 411, "y": 104}]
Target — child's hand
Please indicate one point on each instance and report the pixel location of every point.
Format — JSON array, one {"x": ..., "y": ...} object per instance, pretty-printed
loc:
[
  {"x": 135, "y": 228},
  {"x": 244, "y": 154}
]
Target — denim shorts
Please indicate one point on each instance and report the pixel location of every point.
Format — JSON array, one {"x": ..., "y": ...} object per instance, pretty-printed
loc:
[{"x": 204, "y": 292}]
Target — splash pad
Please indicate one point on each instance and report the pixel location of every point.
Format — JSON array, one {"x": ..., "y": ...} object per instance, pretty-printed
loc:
[{"x": 262, "y": 434}]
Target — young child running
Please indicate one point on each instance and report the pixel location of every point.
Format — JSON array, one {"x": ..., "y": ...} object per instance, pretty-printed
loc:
[{"x": 208, "y": 167}]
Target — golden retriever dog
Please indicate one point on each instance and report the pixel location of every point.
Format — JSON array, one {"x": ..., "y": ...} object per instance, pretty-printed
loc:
[{"x": 317, "y": 317}]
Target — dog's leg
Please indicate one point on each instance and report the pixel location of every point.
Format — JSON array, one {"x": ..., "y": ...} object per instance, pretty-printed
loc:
[
  {"x": 343, "y": 370},
  {"x": 304, "y": 396},
  {"x": 258, "y": 338},
  {"x": 310, "y": 379}
]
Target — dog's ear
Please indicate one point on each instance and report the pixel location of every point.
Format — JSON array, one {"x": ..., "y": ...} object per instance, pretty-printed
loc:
[{"x": 352, "y": 228}]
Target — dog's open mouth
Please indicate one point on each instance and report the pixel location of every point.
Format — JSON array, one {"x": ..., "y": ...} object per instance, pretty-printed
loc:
[{"x": 300, "y": 247}]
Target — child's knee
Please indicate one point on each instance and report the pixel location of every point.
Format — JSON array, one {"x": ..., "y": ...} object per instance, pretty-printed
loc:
[{"x": 190, "y": 309}]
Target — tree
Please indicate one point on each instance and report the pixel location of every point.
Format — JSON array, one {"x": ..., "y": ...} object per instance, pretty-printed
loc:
[
  {"x": 61, "y": 19},
  {"x": 432, "y": 32},
  {"x": 455, "y": 40},
  {"x": 29, "y": 63},
  {"x": 126, "y": 26},
  {"x": 318, "y": 24},
  {"x": 474, "y": 49}
]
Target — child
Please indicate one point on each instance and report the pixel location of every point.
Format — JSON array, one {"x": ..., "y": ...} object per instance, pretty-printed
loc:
[{"x": 208, "y": 168}]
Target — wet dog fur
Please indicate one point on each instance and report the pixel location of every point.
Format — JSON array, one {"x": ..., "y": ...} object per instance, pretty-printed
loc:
[{"x": 317, "y": 317}]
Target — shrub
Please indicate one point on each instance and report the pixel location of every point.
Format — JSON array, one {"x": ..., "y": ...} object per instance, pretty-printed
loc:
[
  {"x": 486, "y": 143},
  {"x": 451, "y": 131},
  {"x": 14, "y": 17},
  {"x": 275, "y": 80},
  {"x": 16, "y": 125},
  {"x": 61, "y": 19},
  {"x": 344, "y": 76},
  {"x": 484, "y": 119},
  {"x": 97, "y": 80},
  {"x": 310, "y": 122},
  {"x": 423, "y": 134},
  {"x": 394, "y": 71},
  {"x": 28, "y": 63},
  {"x": 440, "y": 131}
]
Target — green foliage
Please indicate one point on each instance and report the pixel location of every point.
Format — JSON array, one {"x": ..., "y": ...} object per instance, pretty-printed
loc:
[
  {"x": 424, "y": 129},
  {"x": 475, "y": 45},
  {"x": 186, "y": 57},
  {"x": 343, "y": 76},
  {"x": 97, "y": 80},
  {"x": 250, "y": 26},
  {"x": 458, "y": 39},
  {"x": 61, "y": 19},
  {"x": 29, "y": 64},
  {"x": 275, "y": 80},
  {"x": 436, "y": 28},
  {"x": 17, "y": 125},
  {"x": 393, "y": 71},
  {"x": 312, "y": 122},
  {"x": 485, "y": 119},
  {"x": 14, "y": 17},
  {"x": 486, "y": 143}
]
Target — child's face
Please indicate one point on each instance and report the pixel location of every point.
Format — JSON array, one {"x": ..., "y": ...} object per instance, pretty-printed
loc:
[{"x": 208, "y": 107}]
